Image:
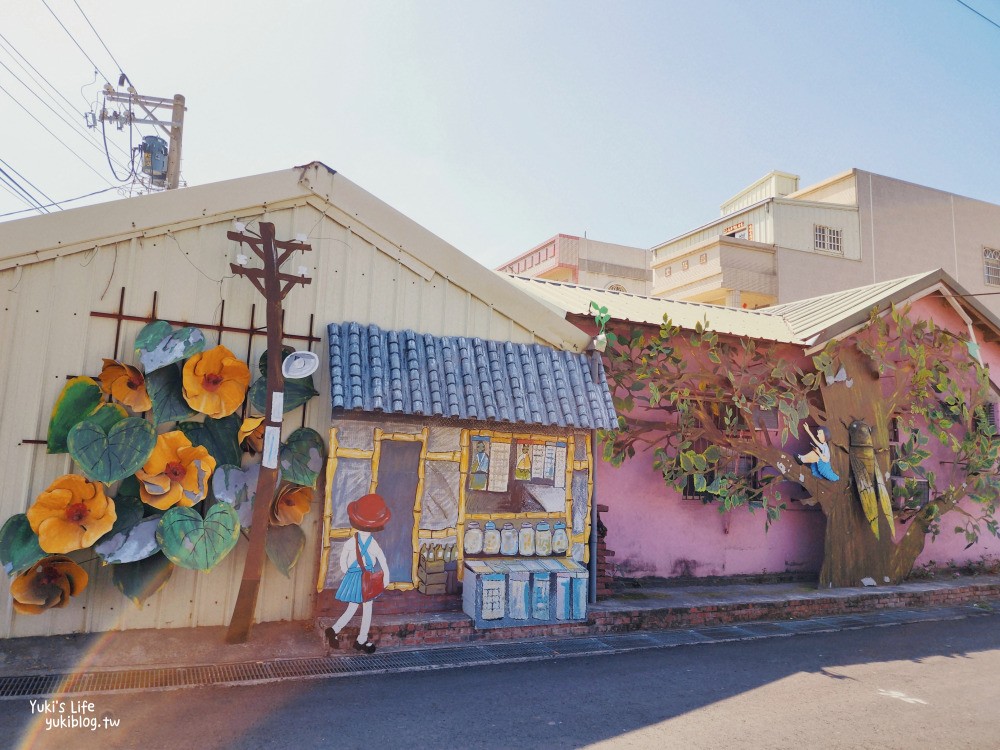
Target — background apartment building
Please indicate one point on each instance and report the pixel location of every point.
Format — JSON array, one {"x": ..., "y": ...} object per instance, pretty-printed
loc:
[
  {"x": 586, "y": 262},
  {"x": 776, "y": 243}
]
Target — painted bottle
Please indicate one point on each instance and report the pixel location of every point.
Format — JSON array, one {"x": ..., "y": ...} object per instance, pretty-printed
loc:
[
  {"x": 526, "y": 539},
  {"x": 543, "y": 539},
  {"x": 560, "y": 539},
  {"x": 508, "y": 540},
  {"x": 491, "y": 539},
  {"x": 473, "y": 539}
]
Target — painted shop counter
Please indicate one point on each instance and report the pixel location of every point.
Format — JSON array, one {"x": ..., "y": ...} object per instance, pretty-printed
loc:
[{"x": 509, "y": 592}]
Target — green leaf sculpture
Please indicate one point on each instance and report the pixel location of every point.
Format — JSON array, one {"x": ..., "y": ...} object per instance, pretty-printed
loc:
[
  {"x": 284, "y": 544},
  {"x": 238, "y": 487},
  {"x": 297, "y": 392},
  {"x": 80, "y": 398},
  {"x": 140, "y": 580},
  {"x": 107, "y": 456},
  {"x": 19, "y": 548},
  {"x": 197, "y": 543},
  {"x": 166, "y": 390},
  {"x": 301, "y": 457},
  {"x": 128, "y": 512},
  {"x": 131, "y": 544},
  {"x": 220, "y": 436},
  {"x": 159, "y": 345},
  {"x": 107, "y": 415}
]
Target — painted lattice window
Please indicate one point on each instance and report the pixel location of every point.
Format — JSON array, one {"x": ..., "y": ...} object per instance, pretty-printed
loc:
[
  {"x": 991, "y": 265},
  {"x": 828, "y": 239}
]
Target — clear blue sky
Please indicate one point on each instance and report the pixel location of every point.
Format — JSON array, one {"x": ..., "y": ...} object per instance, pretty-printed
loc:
[{"x": 497, "y": 125}]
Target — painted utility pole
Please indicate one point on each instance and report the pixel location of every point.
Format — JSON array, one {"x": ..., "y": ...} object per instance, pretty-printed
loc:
[
  {"x": 273, "y": 285},
  {"x": 174, "y": 128}
]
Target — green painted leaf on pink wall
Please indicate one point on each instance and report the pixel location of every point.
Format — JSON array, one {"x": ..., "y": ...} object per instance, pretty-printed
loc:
[
  {"x": 107, "y": 456},
  {"x": 284, "y": 545},
  {"x": 197, "y": 543},
  {"x": 166, "y": 391},
  {"x": 79, "y": 399},
  {"x": 19, "y": 548},
  {"x": 159, "y": 344},
  {"x": 140, "y": 580},
  {"x": 301, "y": 457}
]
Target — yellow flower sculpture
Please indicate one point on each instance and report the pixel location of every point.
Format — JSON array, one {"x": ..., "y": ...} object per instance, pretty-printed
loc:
[
  {"x": 176, "y": 473},
  {"x": 71, "y": 514},
  {"x": 215, "y": 382},
  {"x": 48, "y": 583},
  {"x": 291, "y": 505},
  {"x": 125, "y": 384},
  {"x": 251, "y": 435}
]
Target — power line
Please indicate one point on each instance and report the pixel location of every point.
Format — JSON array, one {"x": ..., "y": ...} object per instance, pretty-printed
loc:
[
  {"x": 44, "y": 127},
  {"x": 33, "y": 185},
  {"x": 70, "y": 35},
  {"x": 57, "y": 114},
  {"x": 59, "y": 203},
  {"x": 27, "y": 196},
  {"x": 985, "y": 18},
  {"x": 120, "y": 68}
]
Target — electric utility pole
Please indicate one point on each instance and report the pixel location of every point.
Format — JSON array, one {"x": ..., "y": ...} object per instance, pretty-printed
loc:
[
  {"x": 174, "y": 128},
  {"x": 273, "y": 285}
]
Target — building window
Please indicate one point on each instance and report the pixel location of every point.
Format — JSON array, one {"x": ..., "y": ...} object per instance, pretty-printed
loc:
[
  {"x": 703, "y": 258},
  {"x": 828, "y": 239},
  {"x": 616, "y": 288},
  {"x": 684, "y": 265},
  {"x": 667, "y": 271},
  {"x": 991, "y": 265}
]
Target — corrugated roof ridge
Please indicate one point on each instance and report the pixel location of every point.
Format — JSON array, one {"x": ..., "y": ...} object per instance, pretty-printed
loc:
[{"x": 671, "y": 300}]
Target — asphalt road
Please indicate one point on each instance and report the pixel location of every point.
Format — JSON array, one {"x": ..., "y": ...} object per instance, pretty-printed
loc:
[{"x": 924, "y": 685}]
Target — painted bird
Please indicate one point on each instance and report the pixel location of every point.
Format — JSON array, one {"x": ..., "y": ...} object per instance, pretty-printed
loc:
[{"x": 867, "y": 477}]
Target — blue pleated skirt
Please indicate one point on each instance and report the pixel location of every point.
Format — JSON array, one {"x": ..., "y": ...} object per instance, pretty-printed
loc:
[
  {"x": 350, "y": 588},
  {"x": 820, "y": 469}
]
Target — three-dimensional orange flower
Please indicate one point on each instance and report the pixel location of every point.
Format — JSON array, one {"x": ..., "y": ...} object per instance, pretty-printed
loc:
[
  {"x": 251, "y": 435},
  {"x": 215, "y": 382},
  {"x": 125, "y": 384},
  {"x": 176, "y": 473},
  {"x": 291, "y": 504},
  {"x": 71, "y": 514},
  {"x": 48, "y": 583}
]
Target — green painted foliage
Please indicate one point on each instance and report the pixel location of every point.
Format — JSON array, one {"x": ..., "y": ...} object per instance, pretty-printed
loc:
[
  {"x": 219, "y": 436},
  {"x": 301, "y": 457},
  {"x": 165, "y": 389},
  {"x": 284, "y": 545},
  {"x": 80, "y": 398},
  {"x": 159, "y": 345},
  {"x": 19, "y": 548},
  {"x": 140, "y": 580},
  {"x": 197, "y": 543},
  {"x": 107, "y": 456}
]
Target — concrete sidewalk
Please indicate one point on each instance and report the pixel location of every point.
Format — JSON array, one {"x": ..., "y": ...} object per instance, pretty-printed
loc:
[{"x": 655, "y": 606}]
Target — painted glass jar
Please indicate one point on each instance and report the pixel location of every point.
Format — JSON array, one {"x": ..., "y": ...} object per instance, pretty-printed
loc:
[
  {"x": 560, "y": 539},
  {"x": 491, "y": 539},
  {"x": 508, "y": 540},
  {"x": 526, "y": 539},
  {"x": 473, "y": 539},
  {"x": 543, "y": 539}
]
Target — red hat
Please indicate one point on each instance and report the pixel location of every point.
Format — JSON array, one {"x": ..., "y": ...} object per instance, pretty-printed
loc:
[{"x": 368, "y": 513}]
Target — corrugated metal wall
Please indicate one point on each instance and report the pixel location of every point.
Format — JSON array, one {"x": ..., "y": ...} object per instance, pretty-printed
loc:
[{"x": 49, "y": 333}]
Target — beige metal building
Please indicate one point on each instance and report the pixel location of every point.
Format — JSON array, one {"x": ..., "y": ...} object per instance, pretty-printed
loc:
[
  {"x": 78, "y": 285},
  {"x": 578, "y": 260},
  {"x": 776, "y": 243}
]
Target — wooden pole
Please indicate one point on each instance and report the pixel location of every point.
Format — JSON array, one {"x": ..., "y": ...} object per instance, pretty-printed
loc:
[{"x": 269, "y": 282}]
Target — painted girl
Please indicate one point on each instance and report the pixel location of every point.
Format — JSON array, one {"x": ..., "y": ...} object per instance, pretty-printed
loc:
[
  {"x": 368, "y": 514},
  {"x": 819, "y": 457}
]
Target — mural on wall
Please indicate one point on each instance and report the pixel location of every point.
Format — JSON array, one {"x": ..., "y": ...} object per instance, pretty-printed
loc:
[
  {"x": 464, "y": 501},
  {"x": 365, "y": 568},
  {"x": 735, "y": 408},
  {"x": 151, "y": 446}
]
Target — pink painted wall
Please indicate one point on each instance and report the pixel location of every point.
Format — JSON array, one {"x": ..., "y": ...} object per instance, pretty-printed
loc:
[{"x": 655, "y": 532}]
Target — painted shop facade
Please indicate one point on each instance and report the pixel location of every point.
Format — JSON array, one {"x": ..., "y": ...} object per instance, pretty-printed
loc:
[{"x": 470, "y": 406}]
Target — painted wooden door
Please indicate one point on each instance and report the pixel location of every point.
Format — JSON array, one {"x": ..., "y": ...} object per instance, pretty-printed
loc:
[{"x": 397, "y": 484}]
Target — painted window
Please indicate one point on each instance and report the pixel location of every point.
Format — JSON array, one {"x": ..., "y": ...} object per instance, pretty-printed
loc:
[
  {"x": 991, "y": 265},
  {"x": 829, "y": 239}
]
